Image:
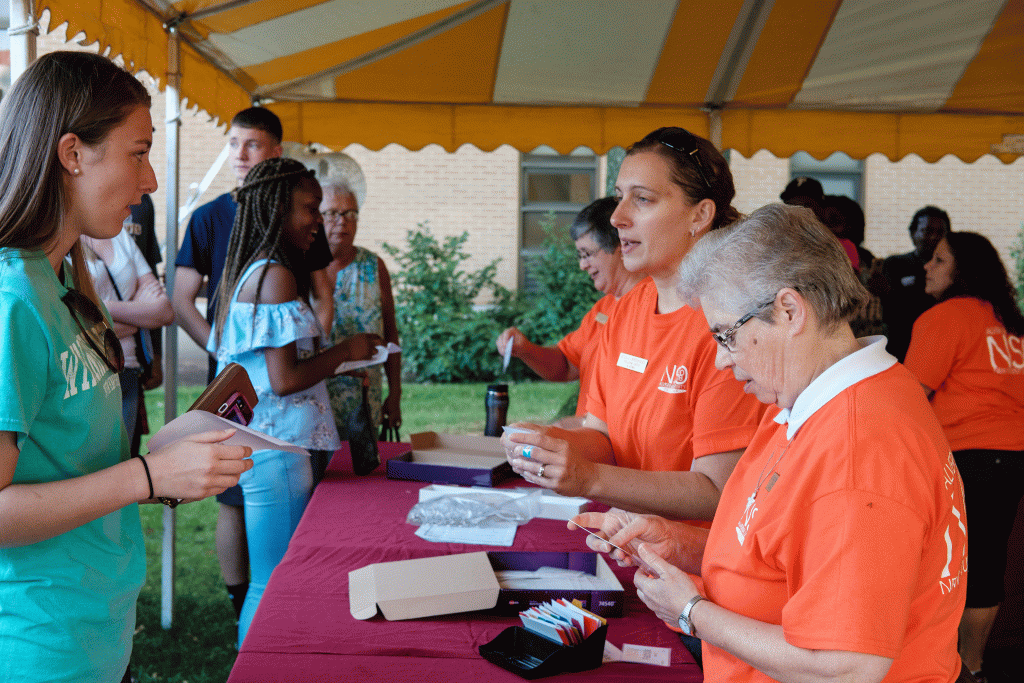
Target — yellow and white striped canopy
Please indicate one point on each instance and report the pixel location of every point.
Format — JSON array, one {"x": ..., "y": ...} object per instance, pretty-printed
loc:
[{"x": 930, "y": 77}]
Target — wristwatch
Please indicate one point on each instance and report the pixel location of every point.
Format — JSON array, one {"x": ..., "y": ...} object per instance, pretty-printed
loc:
[{"x": 684, "y": 619}]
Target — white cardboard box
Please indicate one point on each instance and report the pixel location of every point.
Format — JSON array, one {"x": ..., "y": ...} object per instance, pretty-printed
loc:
[
  {"x": 466, "y": 582},
  {"x": 409, "y": 589}
]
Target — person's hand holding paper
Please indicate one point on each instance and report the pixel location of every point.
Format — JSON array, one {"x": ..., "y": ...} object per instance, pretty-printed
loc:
[{"x": 378, "y": 358}]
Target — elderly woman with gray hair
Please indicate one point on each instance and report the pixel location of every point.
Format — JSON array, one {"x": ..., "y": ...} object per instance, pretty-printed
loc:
[
  {"x": 363, "y": 302},
  {"x": 838, "y": 550}
]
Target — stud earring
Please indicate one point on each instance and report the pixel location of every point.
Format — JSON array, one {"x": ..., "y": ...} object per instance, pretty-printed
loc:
[{"x": 77, "y": 171}]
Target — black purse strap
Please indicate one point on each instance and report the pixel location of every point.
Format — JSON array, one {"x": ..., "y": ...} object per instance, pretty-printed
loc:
[{"x": 143, "y": 342}]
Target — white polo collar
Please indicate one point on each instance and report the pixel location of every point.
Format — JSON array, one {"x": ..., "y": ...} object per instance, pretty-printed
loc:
[{"x": 870, "y": 360}]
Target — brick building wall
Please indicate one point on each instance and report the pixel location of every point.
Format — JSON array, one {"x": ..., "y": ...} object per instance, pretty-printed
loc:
[
  {"x": 465, "y": 191},
  {"x": 986, "y": 196}
]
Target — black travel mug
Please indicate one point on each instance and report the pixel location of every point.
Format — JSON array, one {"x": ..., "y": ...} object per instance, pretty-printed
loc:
[{"x": 496, "y": 403}]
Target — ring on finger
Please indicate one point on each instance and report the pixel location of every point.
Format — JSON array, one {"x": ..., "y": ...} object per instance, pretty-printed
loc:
[
  {"x": 540, "y": 472},
  {"x": 527, "y": 451}
]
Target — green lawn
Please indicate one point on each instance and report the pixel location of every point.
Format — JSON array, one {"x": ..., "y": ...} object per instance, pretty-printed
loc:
[{"x": 200, "y": 646}]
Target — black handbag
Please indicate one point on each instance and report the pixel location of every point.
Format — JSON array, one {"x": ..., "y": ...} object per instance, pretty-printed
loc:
[{"x": 362, "y": 437}]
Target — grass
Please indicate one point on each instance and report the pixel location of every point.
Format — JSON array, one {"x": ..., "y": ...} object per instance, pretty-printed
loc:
[{"x": 200, "y": 645}]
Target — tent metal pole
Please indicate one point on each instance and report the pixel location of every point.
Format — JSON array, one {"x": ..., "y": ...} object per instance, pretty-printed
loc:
[
  {"x": 715, "y": 126},
  {"x": 22, "y": 31},
  {"x": 172, "y": 123}
]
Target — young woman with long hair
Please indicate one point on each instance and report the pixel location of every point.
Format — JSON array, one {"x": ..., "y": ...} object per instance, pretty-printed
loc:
[{"x": 75, "y": 134}]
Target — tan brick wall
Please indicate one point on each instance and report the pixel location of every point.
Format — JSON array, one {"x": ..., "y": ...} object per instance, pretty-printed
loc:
[
  {"x": 467, "y": 190},
  {"x": 986, "y": 196},
  {"x": 758, "y": 180}
]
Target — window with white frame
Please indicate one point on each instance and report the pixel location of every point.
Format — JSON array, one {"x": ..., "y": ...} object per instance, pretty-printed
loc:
[
  {"x": 553, "y": 189},
  {"x": 839, "y": 174}
]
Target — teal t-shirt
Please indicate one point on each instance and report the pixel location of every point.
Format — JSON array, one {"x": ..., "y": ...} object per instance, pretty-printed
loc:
[{"x": 67, "y": 604}]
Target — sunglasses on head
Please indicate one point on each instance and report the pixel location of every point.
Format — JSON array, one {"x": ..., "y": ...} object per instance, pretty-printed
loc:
[
  {"x": 684, "y": 142},
  {"x": 106, "y": 344}
]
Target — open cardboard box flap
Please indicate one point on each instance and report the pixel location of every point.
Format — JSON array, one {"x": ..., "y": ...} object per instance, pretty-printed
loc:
[
  {"x": 424, "y": 587},
  {"x": 466, "y": 582},
  {"x": 468, "y": 450}
]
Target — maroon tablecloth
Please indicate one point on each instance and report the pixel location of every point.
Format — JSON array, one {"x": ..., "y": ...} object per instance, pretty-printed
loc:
[{"x": 303, "y": 630}]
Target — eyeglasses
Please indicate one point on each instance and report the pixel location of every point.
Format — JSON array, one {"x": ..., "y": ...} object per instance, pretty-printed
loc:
[
  {"x": 727, "y": 337},
  {"x": 332, "y": 215},
  {"x": 685, "y": 142},
  {"x": 82, "y": 307}
]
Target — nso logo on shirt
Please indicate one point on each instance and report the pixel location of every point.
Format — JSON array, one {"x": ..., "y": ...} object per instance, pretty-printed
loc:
[{"x": 673, "y": 381}]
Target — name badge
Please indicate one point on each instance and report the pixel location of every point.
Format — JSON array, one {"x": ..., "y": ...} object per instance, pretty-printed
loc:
[
  {"x": 601, "y": 318},
  {"x": 634, "y": 363}
]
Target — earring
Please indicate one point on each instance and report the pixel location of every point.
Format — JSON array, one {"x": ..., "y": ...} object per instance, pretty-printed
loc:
[{"x": 77, "y": 171}]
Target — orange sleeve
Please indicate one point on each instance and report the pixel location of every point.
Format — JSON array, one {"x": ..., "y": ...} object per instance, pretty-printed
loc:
[{"x": 724, "y": 417}]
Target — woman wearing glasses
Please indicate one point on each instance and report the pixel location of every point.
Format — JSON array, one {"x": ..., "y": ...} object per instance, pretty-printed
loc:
[
  {"x": 968, "y": 353},
  {"x": 664, "y": 428},
  {"x": 363, "y": 302},
  {"x": 75, "y": 133},
  {"x": 838, "y": 551}
]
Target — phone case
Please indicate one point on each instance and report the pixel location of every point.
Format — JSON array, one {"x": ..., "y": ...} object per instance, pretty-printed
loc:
[{"x": 231, "y": 380}]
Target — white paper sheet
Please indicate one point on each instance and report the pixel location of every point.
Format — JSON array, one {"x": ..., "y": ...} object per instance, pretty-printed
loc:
[
  {"x": 550, "y": 577},
  {"x": 491, "y": 535},
  {"x": 507, "y": 356},
  {"x": 196, "y": 421},
  {"x": 379, "y": 357}
]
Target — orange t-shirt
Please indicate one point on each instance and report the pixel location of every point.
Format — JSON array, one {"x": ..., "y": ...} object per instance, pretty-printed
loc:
[
  {"x": 656, "y": 387},
  {"x": 976, "y": 368},
  {"x": 579, "y": 346},
  {"x": 856, "y": 539}
]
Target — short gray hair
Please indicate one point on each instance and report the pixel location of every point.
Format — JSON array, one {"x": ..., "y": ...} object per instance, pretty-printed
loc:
[
  {"x": 337, "y": 185},
  {"x": 776, "y": 246}
]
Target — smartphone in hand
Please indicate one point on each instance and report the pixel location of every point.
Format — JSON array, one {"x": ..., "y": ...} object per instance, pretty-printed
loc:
[{"x": 230, "y": 395}]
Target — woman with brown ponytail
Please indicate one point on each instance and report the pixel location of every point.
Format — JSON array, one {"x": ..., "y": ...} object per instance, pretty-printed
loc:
[
  {"x": 664, "y": 428},
  {"x": 75, "y": 134}
]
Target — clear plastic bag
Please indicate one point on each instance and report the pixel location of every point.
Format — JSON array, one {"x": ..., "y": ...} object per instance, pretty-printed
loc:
[{"x": 476, "y": 509}]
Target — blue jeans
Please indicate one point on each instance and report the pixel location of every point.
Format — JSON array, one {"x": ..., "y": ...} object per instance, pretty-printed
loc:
[{"x": 276, "y": 491}]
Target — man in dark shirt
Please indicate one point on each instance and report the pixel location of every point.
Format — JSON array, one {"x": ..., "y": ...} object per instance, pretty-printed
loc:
[{"x": 900, "y": 283}]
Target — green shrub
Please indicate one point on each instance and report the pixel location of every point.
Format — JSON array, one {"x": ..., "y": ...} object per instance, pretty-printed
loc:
[
  {"x": 1017, "y": 272},
  {"x": 563, "y": 293},
  {"x": 444, "y": 338}
]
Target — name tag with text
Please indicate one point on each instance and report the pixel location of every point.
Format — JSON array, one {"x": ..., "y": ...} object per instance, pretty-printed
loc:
[{"x": 634, "y": 363}]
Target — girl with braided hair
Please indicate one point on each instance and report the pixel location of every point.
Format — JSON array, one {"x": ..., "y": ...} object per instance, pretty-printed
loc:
[{"x": 269, "y": 328}]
